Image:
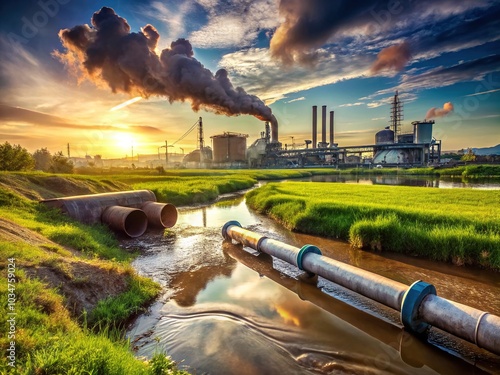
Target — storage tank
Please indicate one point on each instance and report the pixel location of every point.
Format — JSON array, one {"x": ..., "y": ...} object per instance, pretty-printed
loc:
[
  {"x": 229, "y": 147},
  {"x": 422, "y": 131},
  {"x": 384, "y": 137}
]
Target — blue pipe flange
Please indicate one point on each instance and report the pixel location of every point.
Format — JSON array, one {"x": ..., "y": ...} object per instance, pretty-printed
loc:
[
  {"x": 412, "y": 299},
  {"x": 303, "y": 251},
  {"x": 227, "y": 225}
]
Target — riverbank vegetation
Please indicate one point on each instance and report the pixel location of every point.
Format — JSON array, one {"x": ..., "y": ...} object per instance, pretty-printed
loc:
[
  {"x": 460, "y": 226},
  {"x": 75, "y": 288},
  {"x": 72, "y": 291}
]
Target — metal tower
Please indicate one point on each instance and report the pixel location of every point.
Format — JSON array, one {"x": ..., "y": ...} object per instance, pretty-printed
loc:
[{"x": 396, "y": 115}]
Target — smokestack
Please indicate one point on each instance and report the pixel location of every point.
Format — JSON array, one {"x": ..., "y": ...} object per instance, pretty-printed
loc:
[
  {"x": 331, "y": 128},
  {"x": 323, "y": 126},
  {"x": 315, "y": 127},
  {"x": 274, "y": 129}
]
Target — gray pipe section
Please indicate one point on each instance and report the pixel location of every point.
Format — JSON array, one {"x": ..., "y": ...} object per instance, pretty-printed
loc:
[
  {"x": 421, "y": 307},
  {"x": 369, "y": 284},
  {"x": 132, "y": 221},
  {"x": 160, "y": 215},
  {"x": 89, "y": 208},
  {"x": 468, "y": 323}
]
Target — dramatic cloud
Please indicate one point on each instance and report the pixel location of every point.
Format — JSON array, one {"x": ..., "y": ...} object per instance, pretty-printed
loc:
[
  {"x": 431, "y": 25},
  {"x": 108, "y": 53},
  {"x": 392, "y": 58},
  {"x": 259, "y": 72},
  {"x": 234, "y": 24},
  {"x": 482, "y": 69},
  {"x": 439, "y": 112}
]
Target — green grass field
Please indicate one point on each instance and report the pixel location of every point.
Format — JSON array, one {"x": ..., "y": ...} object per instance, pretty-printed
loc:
[
  {"x": 458, "y": 225},
  {"x": 49, "y": 338}
]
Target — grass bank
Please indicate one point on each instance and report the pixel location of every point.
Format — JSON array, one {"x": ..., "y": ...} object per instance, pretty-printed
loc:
[
  {"x": 461, "y": 225},
  {"x": 72, "y": 289}
]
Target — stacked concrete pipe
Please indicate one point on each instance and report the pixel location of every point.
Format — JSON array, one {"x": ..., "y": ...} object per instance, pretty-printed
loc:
[
  {"x": 419, "y": 305},
  {"x": 126, "y": 211}
]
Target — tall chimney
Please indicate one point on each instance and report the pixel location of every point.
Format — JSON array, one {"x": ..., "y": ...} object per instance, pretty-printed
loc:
[
  {"x": 323, "y": 126},
  {"x": 315, "y": 127},
  {"x": 331, "y": 128}
]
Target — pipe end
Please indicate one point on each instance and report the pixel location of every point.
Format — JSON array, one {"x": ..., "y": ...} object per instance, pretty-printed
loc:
[{"x": 226, "y": 226}]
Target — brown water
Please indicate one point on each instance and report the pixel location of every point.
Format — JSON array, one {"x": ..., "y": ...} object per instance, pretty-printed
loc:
[{"x": 228, "y": 311}]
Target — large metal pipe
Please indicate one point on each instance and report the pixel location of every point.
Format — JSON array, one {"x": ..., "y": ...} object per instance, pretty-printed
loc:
[
  {"x": 418, "y": 304},
  {"x": 413, "y": 352},
  {"x": 331, "y": 128},
  {"x": 132, "y": 221},
  {"x": 89, "y": 208},
  {"x": 314, "y": 126},
  {"x": 323, "y": 126},
  {"x": 162, "y": 215}
]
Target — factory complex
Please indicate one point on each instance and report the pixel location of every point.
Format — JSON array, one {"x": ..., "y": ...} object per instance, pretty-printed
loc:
[{"x": 391, "y": 147}]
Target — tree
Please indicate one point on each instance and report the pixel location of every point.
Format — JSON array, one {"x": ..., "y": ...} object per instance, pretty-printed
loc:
[
  {"x": 15, "y": 158},
  {"x": 469, "y": 156},
  {"x": 43, "y": 159},
  {"x": 61, "y": 164}
]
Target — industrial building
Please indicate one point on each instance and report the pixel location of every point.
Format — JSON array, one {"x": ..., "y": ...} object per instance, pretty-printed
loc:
[{"x": 391, "y": 146}]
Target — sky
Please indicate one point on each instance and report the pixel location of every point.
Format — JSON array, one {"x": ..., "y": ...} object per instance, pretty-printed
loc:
[{"x": 116, "y": 77}]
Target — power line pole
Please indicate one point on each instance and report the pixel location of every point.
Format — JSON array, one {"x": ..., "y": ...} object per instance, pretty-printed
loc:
[
  {"x": 200, "y": 127},
  {"x": 68, "y": 151},
  {"x": 166, "y": 153}
]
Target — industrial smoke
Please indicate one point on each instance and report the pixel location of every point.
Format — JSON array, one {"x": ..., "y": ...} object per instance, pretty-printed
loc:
[
  {"x": 439, "y": 112},
  {"x": 108, "y": 54}
]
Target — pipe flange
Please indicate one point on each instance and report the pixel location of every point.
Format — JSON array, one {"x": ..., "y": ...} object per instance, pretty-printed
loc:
[
  {"x": 412, "y": 299},
  {"x": 305, "y": 250},
  {"x": 227, "y": 225}
]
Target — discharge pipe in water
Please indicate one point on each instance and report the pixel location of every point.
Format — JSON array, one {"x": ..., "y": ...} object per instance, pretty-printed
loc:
[{"x": 419, "y": 305}]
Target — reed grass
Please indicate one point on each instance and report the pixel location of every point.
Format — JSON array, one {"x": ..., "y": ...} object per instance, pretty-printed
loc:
[{"x": 457, "y": 225}]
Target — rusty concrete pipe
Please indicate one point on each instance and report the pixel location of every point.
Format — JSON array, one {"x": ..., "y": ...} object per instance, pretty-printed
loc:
[
  {"x": 161, "y": 215},
  {"x": 132, "y": 221},
  {"x": 88, "y": 209},
  {"x": 419, "y": 305}
]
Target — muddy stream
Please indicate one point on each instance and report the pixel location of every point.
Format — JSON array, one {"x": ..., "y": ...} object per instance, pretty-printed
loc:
[{"x": 227, "y": 310}]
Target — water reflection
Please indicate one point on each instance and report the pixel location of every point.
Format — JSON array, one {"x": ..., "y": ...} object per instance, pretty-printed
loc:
[{"x": 226, "y": 311}]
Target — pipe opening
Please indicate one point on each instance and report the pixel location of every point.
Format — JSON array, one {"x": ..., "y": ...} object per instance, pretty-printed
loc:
[
  {"x": 132, "y": 221},
  {"x": 136, "y": 223},
  {"x": 163, "y": 215}
]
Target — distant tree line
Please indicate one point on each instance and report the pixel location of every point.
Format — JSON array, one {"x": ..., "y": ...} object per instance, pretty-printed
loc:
[{"x": 17, "y": 158}]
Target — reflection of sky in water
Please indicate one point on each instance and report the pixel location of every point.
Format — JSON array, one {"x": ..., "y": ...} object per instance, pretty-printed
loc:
[
  {"x": 217, "y": 216},
  {"x": 224, "y": 317}
]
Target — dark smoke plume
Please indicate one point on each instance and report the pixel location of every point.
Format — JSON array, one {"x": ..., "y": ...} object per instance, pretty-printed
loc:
[{"x": 108, "y": 53}]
